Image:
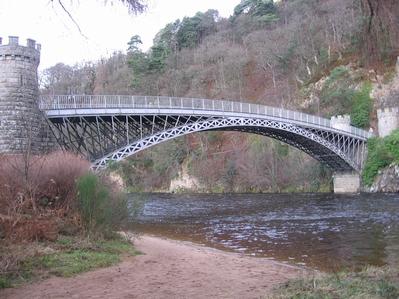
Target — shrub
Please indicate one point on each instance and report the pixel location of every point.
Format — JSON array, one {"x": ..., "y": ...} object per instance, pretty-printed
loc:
[
  {"x": 361, "y": 107},
  {"x": 392, "y": 145},
  {"x": 337, "y": 92},
  {"x": 381, "y": 153},
  {"x": 101, "y": 211}
]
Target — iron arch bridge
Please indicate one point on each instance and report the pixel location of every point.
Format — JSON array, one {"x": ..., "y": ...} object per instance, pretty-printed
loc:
[{"x": 111, "y": 128}]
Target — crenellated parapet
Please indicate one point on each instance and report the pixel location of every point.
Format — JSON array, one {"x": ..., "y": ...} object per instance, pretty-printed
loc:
[
  {"x": 388, "y": 120},
  {"x": 14, "y": 51},
  {"x": 341, "y": 122}
]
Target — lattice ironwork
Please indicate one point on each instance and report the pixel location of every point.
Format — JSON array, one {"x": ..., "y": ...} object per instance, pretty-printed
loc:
[{"x": 113, "y": 138}]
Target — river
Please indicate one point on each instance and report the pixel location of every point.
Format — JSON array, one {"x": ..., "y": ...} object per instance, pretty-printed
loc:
[{"x": 323, "y": 231}]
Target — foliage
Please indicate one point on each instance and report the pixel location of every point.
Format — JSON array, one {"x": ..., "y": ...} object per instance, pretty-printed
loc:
[
  {"x": 369, "y": 283},
  {"x": 255, "y": 7},
  {"x": 100, "y": 212},
  {"x": 381, "y": 153},
  {"x": 336, "y": 74},
  {"x": 337, "y": 92},
  {"x": 157, "y": 59},
  {"x": 392, "y": 145},
  {"x": 138, "y": 62},
  {"x": 192, "y": 30},
  {"x": 134, "y": 44},
  {"x": 151, "y": 169},
  {"x": 340, "y": 95},
  {"x": 361, "y": 107}
]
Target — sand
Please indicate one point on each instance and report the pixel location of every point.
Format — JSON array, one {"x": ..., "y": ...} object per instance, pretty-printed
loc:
[{"x": 169, "y": 269}]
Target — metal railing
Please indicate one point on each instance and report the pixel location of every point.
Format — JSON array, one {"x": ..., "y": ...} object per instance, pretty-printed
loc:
[{"x": 60, "y": 102}]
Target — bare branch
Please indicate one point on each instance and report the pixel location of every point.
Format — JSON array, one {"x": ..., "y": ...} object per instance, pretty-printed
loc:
[
  {"x": 70, "y": 17},
  {"x": 135, "y": 6}
]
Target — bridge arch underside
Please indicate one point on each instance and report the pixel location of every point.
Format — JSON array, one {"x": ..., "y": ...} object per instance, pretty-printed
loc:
[{"x": 114, "y": 137}]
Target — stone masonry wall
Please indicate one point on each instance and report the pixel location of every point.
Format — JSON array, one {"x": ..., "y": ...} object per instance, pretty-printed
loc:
[
  {"x": 346, "y": 182},
  {"x": 388, "y": 120},
  {"x": 341, "y": 122},
  {"x": 21, "y": 123}
]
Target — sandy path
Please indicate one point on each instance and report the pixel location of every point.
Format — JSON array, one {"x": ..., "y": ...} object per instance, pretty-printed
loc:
[{"x": 168, "y": 269}]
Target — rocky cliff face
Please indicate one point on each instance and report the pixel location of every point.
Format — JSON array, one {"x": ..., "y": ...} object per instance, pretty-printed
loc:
[{"x": 387, "y": 180}]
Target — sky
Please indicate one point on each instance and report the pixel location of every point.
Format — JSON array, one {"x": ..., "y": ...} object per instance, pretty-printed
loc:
[{"x": 106, "y": 25}]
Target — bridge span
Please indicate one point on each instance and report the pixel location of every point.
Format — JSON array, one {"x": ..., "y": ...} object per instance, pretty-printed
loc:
[{"x": 108, "y": 128}]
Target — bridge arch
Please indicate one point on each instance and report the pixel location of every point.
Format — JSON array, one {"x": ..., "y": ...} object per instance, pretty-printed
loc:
[{"x": 322, "y": 150}]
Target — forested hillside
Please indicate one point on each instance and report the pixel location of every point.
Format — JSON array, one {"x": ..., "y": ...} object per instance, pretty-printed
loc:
[{"x": 318, "y": 56}]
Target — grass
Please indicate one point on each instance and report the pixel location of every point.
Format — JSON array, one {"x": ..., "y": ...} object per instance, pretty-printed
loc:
[
  {"x": 376, "y": 283},
  {"x": 67, "y": 264},
  {"x": 66, "y": 257}
]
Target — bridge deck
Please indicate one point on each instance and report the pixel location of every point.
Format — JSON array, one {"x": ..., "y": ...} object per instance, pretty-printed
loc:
[{"x": 64, "y": 105}]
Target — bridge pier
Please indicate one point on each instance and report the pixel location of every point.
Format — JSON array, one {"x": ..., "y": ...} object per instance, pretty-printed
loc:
[{"x": 346, "y": 182}]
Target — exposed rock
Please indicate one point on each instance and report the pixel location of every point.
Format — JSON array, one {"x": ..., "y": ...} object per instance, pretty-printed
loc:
[
  {"x": 117, "y": 180},
  {"x": 184, "y": 181},
  {"x": 387, "y": 180}
]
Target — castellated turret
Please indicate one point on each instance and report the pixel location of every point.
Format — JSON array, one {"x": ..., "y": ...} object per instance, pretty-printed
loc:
[
  {"x": 388, "y": 120},
  {"x": 21, "y": 123}
]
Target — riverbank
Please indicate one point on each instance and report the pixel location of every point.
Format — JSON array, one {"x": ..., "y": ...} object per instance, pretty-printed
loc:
[
  {"x": 169, "y": 269},
  {"x": 26, "y": 262}
]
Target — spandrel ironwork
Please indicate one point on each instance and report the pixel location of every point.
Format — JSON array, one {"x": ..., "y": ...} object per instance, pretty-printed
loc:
[{"x": 110, "y": 128}]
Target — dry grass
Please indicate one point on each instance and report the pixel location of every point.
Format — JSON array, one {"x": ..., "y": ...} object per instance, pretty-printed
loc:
[{"x": 372, "y": 283}]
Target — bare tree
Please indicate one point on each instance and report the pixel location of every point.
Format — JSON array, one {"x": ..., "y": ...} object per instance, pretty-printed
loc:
[{"x": 380, "y": 30}]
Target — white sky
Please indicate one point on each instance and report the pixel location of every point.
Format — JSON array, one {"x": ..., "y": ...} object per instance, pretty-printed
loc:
[{"x": 108, "y": 28}]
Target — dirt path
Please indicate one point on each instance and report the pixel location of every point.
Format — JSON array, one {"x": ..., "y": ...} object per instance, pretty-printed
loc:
[{"x": 168, "y": 269}]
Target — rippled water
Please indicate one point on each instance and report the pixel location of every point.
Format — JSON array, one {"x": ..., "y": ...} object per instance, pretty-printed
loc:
[{"x": 324, "y": 231}]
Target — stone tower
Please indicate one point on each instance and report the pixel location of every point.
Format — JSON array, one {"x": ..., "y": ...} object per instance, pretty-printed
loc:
[
  {"x": 21, "y": 123},
  {"x": 388, "y": 120}
]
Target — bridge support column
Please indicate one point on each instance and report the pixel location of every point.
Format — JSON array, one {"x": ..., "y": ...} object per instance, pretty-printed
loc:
[{"x": 346, "y": 182}]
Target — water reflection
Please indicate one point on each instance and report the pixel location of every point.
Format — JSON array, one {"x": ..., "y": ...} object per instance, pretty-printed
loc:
[{"x": 324, "y": 231}]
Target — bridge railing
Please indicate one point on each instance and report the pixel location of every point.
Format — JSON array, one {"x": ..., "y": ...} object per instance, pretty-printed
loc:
[{"x": 60, "y": 102}]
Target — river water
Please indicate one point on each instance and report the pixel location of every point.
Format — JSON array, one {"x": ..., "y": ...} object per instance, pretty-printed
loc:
[{"x": 323, "y": 231}]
